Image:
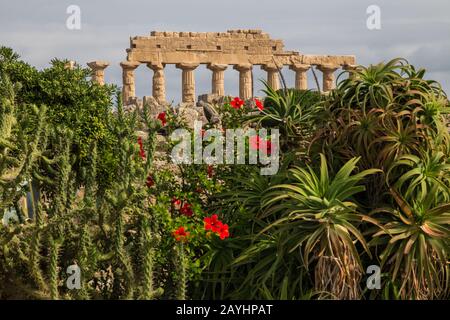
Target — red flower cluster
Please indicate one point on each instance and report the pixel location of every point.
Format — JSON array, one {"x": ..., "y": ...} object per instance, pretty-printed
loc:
[
  {"x": 162, "y": 117},
  {"x": 141, "y": 148},
  {"x": 256, "y": 143},
  {"x": 212, "y": 224},
  {"x": 237, "y": 103},
  {"x": 186, "y": 210},
  {"x": 259, "y": 104},
  {"x": 181, "y": 234},
  {"x": 176, "y": 202},
  {"x": 218, "y": 227},
  {"x": 150, "y": 182}
]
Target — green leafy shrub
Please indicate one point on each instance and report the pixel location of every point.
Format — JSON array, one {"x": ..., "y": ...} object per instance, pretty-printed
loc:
[{"x": 72, "y": 101}]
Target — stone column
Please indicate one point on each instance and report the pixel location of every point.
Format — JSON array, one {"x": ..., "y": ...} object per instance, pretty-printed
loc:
[
  {"x": 328, "y": 76},
  {"x": 218, "y": 85},
  {"x": 272, "y": 76},
  {"x": 98, "y": 71},
  {"x": 187, "y": 81},
  {"x": 159, "y": 82},
  {"x": 245, "y": 80},
  {"x": 128, "y": 89},
  {"x": 350, "y": 68},
  {"x": 301, "y": 80},
  {"x": 70, "y": 65}
]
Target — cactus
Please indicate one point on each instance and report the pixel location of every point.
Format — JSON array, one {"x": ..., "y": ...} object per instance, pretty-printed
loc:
[
  {"x": 181, "y": 272},
  {"x": 74, "y": 219},
  {"x": 22, "y": 140},
  {"x": 147, "y": 252},
  {"x": 35, "y": 252},
  {"x": 55, "y": 247}
]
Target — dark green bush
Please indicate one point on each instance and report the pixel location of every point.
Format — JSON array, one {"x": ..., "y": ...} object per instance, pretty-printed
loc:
[{"x": 74, "y": 103}]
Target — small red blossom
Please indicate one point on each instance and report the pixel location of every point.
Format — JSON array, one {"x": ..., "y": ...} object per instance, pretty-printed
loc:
[
  {"x": 216, "y": 226},
  {"x": 141, "y": 148},
  {"x": 212, "y": 223},
  {"x": 181, "y": 234},
  {"x": 176, "y": 202},
  {"x": 210, "y": 171},
  {"x": 268, "y": 147},
  {"x": 223, "y": 231},
  {"x": 150, "y": 182},
  {"x": 203, "y": 133},
  {"x": 237, "y": 103},
  {"x": 162, "y": 117},
  {"x": 259, "y": 104},
  {"x": 256, "y": 143},
  {"x": 186, "y": 210},
  {"x": 264, "y": 146}
]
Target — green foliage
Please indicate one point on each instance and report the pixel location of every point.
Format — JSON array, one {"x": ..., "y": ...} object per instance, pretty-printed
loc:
[
  {"x": 291, "y": 111},
  {"x": 307, "y": 98},
  {"x": 71, "y": 101},
  {"x": 415, "y": 246},
  {"x": 22, "y": 141},
  {"x": 393, "y": 121},
  {"x": 364, "y": 179},
  {"x": 320, "y": 217}
]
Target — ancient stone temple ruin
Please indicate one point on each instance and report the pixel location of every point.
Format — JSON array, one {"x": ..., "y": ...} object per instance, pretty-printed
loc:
[{"x": 239, "y": 49}]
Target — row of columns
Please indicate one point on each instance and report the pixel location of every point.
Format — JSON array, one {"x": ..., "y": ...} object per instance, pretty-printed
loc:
[{"x": 217, "y": 84}]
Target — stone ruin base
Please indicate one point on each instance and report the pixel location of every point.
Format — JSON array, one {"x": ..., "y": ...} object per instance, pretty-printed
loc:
[
  {"x": 190, "y": 112},
  {"x": 199, "y": 111}
]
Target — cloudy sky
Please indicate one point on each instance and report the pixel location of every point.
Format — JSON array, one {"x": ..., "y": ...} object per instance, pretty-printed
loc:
[{"x": 415, "y": 29}]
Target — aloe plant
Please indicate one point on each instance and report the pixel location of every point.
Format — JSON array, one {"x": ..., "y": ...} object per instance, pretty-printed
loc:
[
  {"x": 415, "y": 245},
  {"x": 421, "y": 174}
]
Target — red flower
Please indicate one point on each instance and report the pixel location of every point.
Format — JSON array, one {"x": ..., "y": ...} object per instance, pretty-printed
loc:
[
  {"x": 265, "y": 145},
  {"x": 162, "y": 118},
  {"x": 150, "y": 182},
  {"x": 268, "y": 147},
  {"x": 141, "y": 148},
  {"x": 175, "y": 201},
  {"x": 210, "y": 171},
  {"x": 259, "y": 104},
  {"x": 237, "y": 103},
  {"x": 186, "y": 210},
  {"x": 223, "y": 231},
  {"x": 218, "y": 227},
  {"x": 203, "y": 133},
  {"x": 212, "y": 223},
  {"x": 180, "y": 234},
  {"x": 256, "y": 143}
]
